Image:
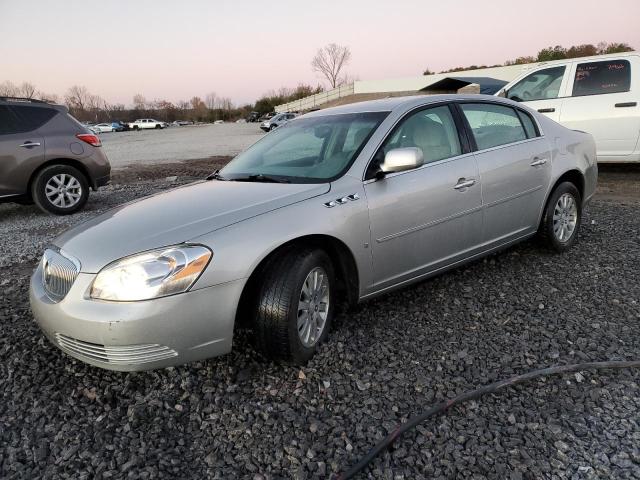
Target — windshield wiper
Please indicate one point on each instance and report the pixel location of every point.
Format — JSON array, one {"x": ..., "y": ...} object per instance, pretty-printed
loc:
[
  {"x": 260, "y": 177},
  {"x": 216, "y": 176}
]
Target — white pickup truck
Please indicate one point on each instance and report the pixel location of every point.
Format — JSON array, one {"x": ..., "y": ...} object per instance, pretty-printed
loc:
[
  {"x": 599, "y": 95},
  {"x": 142, "y": 123}
]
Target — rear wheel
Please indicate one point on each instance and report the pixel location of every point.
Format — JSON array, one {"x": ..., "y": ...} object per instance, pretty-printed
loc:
[
  {"x": 295, "y": 305},
  {"x": 60, "y": 189},
  {"x": 562, "y": 216}
]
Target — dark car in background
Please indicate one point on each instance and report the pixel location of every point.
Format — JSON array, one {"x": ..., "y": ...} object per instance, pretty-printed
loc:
[{"x": 47, "y": 157}]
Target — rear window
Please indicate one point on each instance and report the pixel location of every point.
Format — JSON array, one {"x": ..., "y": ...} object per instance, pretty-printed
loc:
[
  {"x": 493, "y": 125},
  {"x": 31, "y": 118},
  {"x": 596, "y": 78}
]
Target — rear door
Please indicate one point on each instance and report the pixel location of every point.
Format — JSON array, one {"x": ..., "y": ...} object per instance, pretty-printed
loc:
[
  {"x": 542, "y": 90},
  {"x": 514, "y": 161},
  {"x": 425, "y": 218},
  {"x": 604, "y": 101},
  {"x": 21, "y": 146}
]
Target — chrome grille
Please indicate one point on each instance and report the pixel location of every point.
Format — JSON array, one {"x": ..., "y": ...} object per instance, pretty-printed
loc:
[
  {"x": 116, "y": 355},
  {"x": 58, "y": 274}
]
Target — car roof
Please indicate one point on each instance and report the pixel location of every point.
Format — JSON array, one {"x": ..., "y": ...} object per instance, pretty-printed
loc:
[
  {"x": 32, "y": 102},
  {"x": 402, "y": 103}
]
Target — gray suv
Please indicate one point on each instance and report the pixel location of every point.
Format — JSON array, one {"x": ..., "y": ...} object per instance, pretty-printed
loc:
[{"x": 47, "y": 157}]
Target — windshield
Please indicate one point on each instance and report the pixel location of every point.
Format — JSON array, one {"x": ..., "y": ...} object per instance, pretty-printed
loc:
[{"x": 306, "y": 150}]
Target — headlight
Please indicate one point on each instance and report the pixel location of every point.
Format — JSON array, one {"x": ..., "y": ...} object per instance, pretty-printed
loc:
[{"x": 153, "y": 274}]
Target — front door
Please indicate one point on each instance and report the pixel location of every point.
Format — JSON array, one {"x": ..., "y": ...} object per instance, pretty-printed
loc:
[
  {"x": 428, "y": 217},
  {"x": 542, "y": 90}
]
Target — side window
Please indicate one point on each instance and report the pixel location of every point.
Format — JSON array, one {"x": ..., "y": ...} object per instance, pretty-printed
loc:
[
  {"x": 595, "y": 78},
  {"x": 540, "y": 85},
  {"x": 432, "y": 130},
  {"x": 8, "y": 121},
  {"x": 528, "y": 124},
  {"x": 493, "y": 125},
  {"x": 34, "y": 117}
]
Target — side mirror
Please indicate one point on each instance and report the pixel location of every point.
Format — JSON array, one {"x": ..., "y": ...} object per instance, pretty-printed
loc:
[{"x": 401, "y": 159}]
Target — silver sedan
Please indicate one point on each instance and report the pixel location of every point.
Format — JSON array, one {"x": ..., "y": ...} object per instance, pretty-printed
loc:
[{"x": 333, "y": 208}]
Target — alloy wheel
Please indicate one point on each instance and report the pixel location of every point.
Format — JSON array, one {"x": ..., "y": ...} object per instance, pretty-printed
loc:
[
  {"x": 63, "y": 190},
  {"x": 565, "y": 217},
  {"x": 313, "y": 307}
]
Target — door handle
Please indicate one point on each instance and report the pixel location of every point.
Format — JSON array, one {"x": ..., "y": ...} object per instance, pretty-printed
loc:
[
  {"x": 626, "y": 104},
  {"x": 538, "y": 161},
  {"x": 30, "y": 144},
  {"x": 546, "y": 110},
  {"x": 462, "y": 183}
]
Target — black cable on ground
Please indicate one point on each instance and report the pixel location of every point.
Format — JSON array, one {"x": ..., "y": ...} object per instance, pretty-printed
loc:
[{"x": 472, "y": 395}]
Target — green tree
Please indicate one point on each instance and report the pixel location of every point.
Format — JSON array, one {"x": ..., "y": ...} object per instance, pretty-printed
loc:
[{"x": 552, "y": 53}]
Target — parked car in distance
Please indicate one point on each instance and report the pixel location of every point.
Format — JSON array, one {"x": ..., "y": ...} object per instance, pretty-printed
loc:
[
  {"x": 253, "y": 117},
  {"x": 398, "y": 190},
  {"x": 599, "y": 95},
  {"x": 182, "y": 123},
  {"x": 104, "y": 127},
  {"x": 120, "y": 126},
  {"x": 145, "y": 123},
  {"x": 276, "y": 121},
  {"x": 267, "y": 116},
  {"x": 48, "y": 157}
]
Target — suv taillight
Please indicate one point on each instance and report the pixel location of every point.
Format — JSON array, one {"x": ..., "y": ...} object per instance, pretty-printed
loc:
[{"x": 90, "y": 138}]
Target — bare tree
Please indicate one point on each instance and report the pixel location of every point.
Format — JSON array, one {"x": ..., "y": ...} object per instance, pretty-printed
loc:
[
  {"x": 211, "y": 100},
  {"x": 139, "y": 102},
  {"x": 27, "y": 90},
  {"x": 78, "y": 98},
  {"x": 329, "y": 62},
  {"x": 9, "y": 89}
]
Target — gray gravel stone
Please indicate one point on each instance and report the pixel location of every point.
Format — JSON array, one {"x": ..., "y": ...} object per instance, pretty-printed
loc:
[{"x": 241, "y": 416}]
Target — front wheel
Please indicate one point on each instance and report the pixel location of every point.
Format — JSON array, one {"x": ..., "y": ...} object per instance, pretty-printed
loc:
[
  {"x": 295, "y": 305},
  {"x": 562, "y": 216}
]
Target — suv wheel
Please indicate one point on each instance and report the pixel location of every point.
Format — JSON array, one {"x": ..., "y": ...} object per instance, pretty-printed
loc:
[
  {"x": 295, "y": 305},
  {"x": 60, "y": 189},
  {"x": 562, "y": 216}
]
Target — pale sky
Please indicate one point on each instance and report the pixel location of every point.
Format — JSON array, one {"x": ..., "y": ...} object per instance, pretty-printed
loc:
[{"x": 175, "y": 49}]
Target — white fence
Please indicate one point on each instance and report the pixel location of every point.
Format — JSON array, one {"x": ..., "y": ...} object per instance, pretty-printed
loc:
[{"x": 316, "y": 100}]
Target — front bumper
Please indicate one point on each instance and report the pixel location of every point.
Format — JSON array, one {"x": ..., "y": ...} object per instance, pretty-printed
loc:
[{"x": 133, "y": 336}]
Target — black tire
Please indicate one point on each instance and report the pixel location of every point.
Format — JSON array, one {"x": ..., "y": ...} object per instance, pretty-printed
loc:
[
  {"x": 158, "y": 126},
  {"x": 276, "y": 320},
  {"x": 273, "y": 127},
  {"x": 546, "y": 230},
  {"x": 38, "y": 189}
]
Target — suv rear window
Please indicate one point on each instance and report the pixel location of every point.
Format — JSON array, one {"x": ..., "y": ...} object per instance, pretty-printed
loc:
[
  {"x": 595, "y": 78},
  {"x": 19, "y": 119}
]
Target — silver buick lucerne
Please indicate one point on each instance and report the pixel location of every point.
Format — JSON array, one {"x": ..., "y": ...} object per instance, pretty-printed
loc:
[{"x": 333, "y": 208}]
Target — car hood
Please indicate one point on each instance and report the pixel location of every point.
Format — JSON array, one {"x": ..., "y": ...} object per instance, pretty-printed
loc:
[{"x": 174, "y": 217}]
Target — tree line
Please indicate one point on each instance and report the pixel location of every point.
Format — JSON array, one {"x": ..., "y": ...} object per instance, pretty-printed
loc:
[{"x": 552, "y": 53}]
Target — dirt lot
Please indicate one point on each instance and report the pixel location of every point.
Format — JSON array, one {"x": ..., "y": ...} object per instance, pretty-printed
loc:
[
  {"x": 240, "y": 416},
  {"x": 178, "y": 143}
]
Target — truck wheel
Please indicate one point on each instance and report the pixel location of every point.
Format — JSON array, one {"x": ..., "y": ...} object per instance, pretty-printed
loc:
[
  {"x": 60, "y": 189},
  {"x": 295, "y": 305}
]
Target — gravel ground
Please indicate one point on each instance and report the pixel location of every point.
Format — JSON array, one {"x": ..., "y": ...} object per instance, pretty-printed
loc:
[
  {"x": 240, "y": 416},
  {"x": 178, "y": 143}
]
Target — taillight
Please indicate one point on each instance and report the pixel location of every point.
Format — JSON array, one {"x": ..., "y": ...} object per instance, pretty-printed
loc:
[{"x": 90, "y": 138}]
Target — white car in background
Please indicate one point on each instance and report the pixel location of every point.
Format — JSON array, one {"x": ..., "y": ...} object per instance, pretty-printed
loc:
[
  {"x": 599, "y": 95},
  {"x": 276, "y": 121},
  {"x": 104, "y": 127},
  {"x": 144, "y": 123}
]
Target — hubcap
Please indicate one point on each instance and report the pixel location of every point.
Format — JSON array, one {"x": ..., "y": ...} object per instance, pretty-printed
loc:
[
  {"x": 63, "y": 190},
  {"x": 565, "y": 217},
  {"x": 313, "y": 307}
]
